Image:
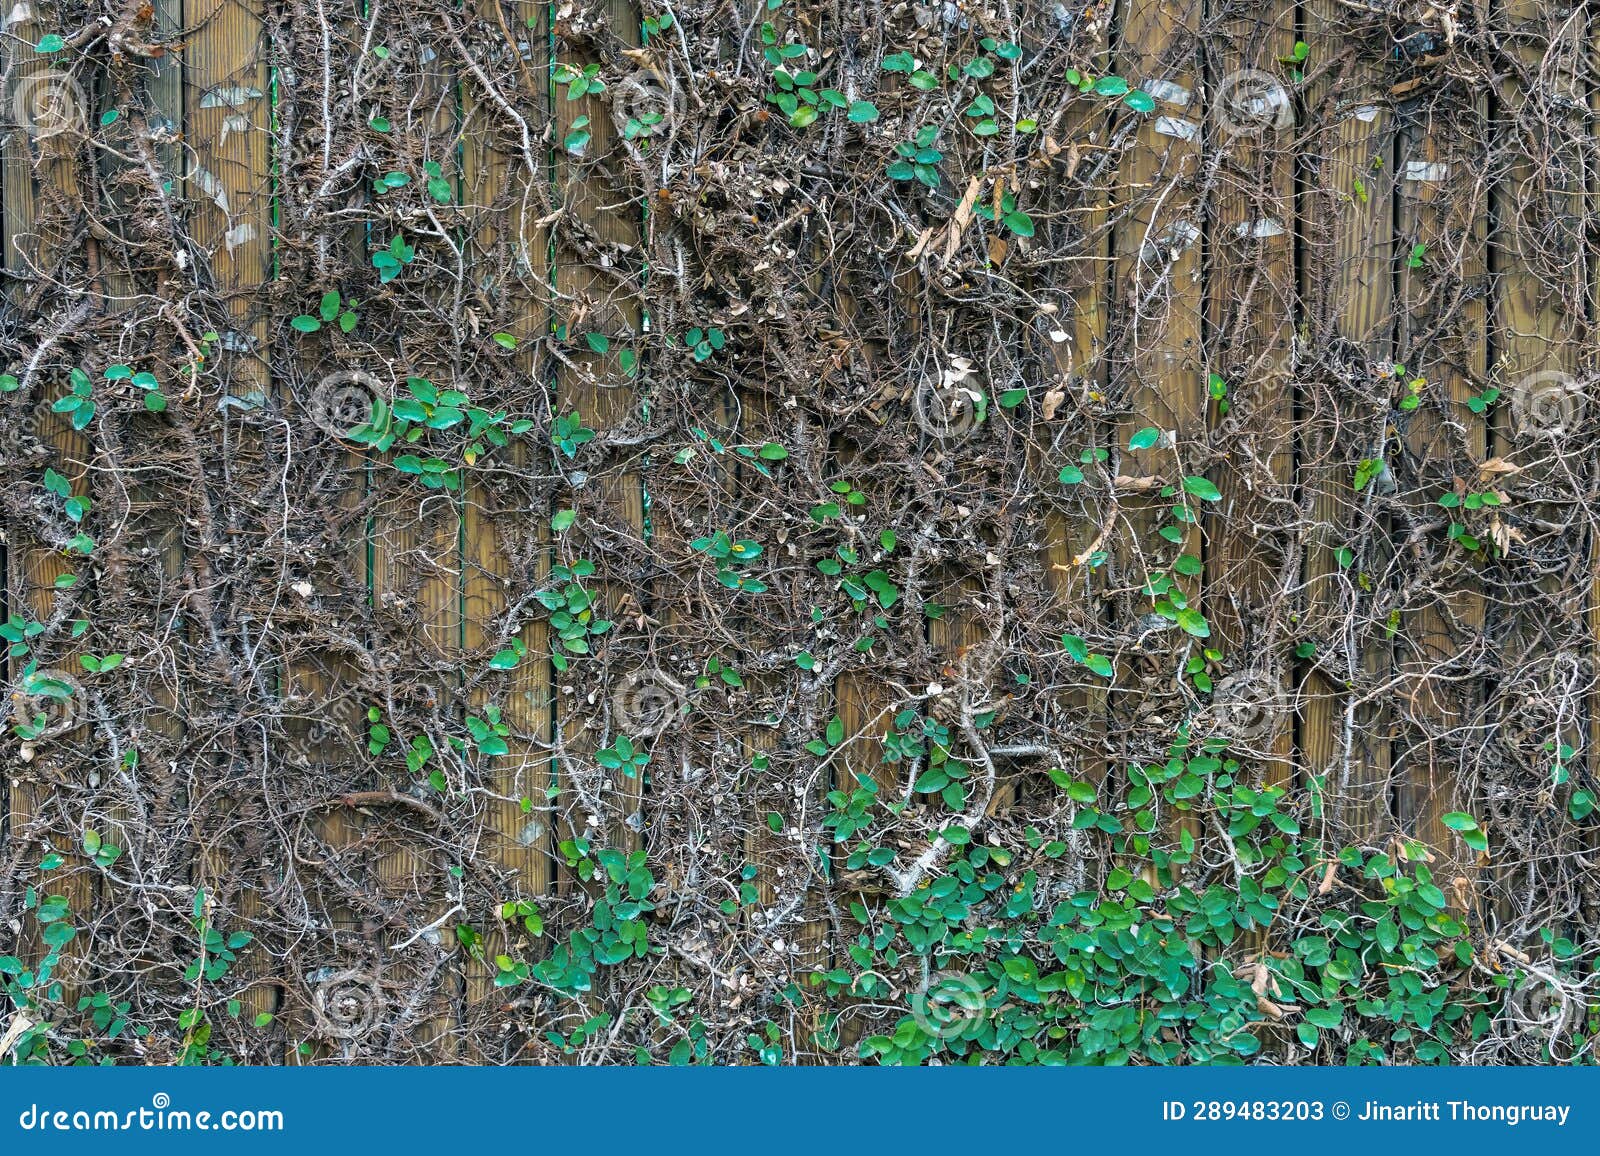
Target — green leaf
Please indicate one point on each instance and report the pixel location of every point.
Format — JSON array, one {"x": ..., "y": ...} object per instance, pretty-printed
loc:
[
  {"x": 50, "y": 43},
  {"x": 1202, "y": 488},
  {"x": 1110, "y": 86},
  {"x": 1324, "y": 1017},
  {"x": 305, "y": 323},
  {"x": 1019, "y": 223},
  {"x": 1144, "y": 439},
  {"x": 863, "y": 112},
  {"x": 1139, "y": 101},
  {"x": 1193, "y": 622}
]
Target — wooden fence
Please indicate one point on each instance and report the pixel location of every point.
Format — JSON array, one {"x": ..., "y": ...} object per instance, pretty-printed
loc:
[{"x": 1334, "y": 265}]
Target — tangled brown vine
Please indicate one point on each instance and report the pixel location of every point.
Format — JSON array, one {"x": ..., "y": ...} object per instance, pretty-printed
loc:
[{"x": 939, "y": 358}]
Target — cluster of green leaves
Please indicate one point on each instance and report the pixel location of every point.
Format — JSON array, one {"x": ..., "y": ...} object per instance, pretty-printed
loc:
[
  {"x": 154, "y": 400},
  {"x": 75, "y": 506},
  {"x": 391, "y": 260},
  {"x": 861, "y": 588},
  {"x": 729, "y": 553},
  {"x": 918, "y": 159},
  {"x": 579, "y": 81},
  {"x": 1451, "y": 500},
  {"x": 36, "y": 685},
  {"x": 1128, "y": 972},
  {"x": 572, "y": 610},
  {"x": 36, "y": 991},
  {"x": 332, "y": 309},
  {"x": 1013, "y": 218},
  {"x": 757, "y": 456},
  {"x": 439, "y": 186},
  {"x": 216, "y": 955},
  {"x": 428, "y": 410},
  {"x": 1581, "y": 802},
  {"x": 914, "y": 737},
  {"x": 79, "y": 400},
  {"x": 569, "y": 433},
  {"x": 622, "y": 755},
  {"x": 851, "y": 496},
  {"x": 1072, "y": 474},
  {"x": 976, "y": 69},
  {"x": 704, "y": 342},
  {"x": 797, "y": 95},
  {"x": 617, "y": 930},
  {"x": 1112, "y": 87}
]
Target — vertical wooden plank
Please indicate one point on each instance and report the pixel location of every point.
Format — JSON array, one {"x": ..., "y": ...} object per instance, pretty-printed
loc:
[
  {"x": 598, "y": 296},
  {"x": 227, "y": 126},
  {"x": 156, "y": 507},
  {"x": 1538, "y": 346},
  {"x": 1158, "y": 250},
  {"x": 418, "y": 569},
  {"x": 1348, "y": 285},
  {"x": 1075, "y": 539},
  {"x": 41, "y": 183},
  {"x": 498, "y": 186},
  {"x": 228, "y": 118},
  {"x": 1251, "y": 310},
  {"x": 1440, "y": 205},
  {"x": 1159, "y": 368}
]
